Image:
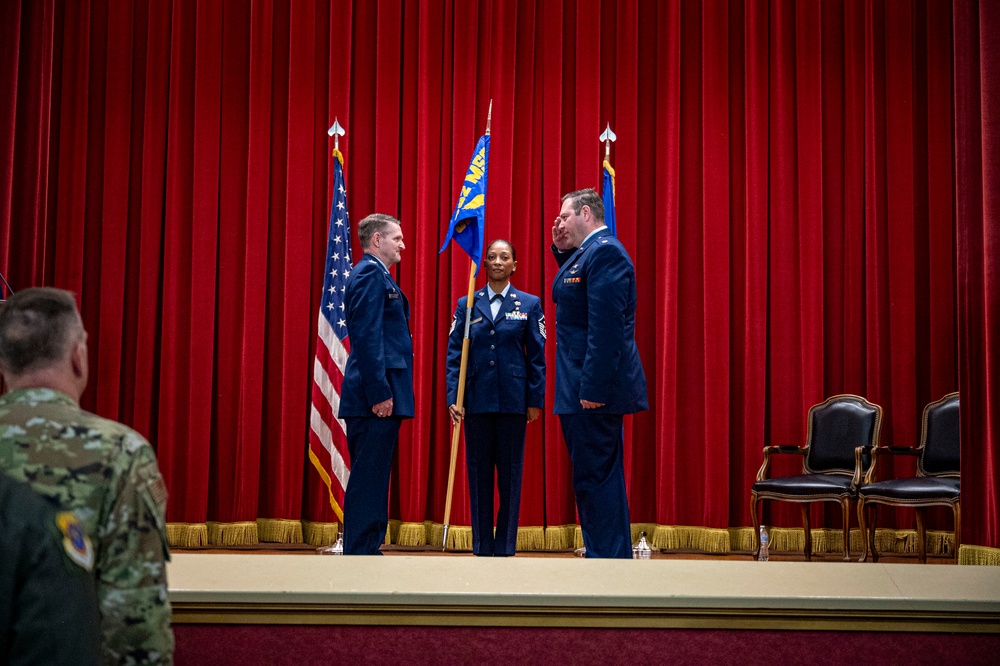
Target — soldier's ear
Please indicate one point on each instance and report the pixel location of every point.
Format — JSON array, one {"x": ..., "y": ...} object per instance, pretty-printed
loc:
[{"x": 78, "y": 358}]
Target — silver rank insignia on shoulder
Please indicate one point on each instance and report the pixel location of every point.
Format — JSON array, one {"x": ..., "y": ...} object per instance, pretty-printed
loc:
[
  {"x": 454, "y": 323},
  {"x": 541, "y": 327},
  {"x": 76, "y": 543}
]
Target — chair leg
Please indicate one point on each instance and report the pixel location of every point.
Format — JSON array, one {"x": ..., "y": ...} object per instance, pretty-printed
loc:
[
  {"x": 756, "y": 524},
  {"x": 921, "y": 537},
  {"x": 864, "y": 531},
  {"x": 808, "y": 533},
  {"x": 957, "y": 510},
  {"x": 871, "y": 531},
  {"x": 845, "y": 510}
]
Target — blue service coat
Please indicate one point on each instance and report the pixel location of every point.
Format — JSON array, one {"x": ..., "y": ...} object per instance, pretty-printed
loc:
[
  {"x": 380, "y": 364},
  {"x": 596, "y": 355},
  {"x": 506, "y": 367}
]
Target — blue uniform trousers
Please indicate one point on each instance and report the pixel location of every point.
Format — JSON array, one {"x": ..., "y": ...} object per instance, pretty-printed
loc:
[
  {"x": 371, "y": 441},
  {"x": 494, "y": 442},
  {"x": 597, "y": 452}
]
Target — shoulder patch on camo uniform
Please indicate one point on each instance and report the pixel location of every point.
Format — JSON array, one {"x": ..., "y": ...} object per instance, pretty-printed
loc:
[{"x": 76, "y": 543}]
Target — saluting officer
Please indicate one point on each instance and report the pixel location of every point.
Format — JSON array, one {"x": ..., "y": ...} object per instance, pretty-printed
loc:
[
  {"x": 505, "y": 390},
  {"x": 599, "y": 376}
]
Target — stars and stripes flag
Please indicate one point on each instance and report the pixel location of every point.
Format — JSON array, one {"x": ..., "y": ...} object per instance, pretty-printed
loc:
[{"x": 328, "y": 434}]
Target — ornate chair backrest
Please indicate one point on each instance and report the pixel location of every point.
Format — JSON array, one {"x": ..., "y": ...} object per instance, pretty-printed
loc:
[
  {"x": 836, "y": 427},
  {"x": 939, "y": 438}
]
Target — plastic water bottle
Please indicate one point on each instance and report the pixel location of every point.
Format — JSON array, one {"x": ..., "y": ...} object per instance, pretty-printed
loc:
[{"x": 764, "y": 539}]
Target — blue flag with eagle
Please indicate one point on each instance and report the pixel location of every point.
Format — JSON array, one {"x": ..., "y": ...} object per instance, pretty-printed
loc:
[{"x": 468, "y": 222}]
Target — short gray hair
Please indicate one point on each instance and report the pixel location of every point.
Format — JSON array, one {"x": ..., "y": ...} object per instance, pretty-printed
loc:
[
  {"x": 37, "y": 327},
  {"x": 588, "y": 197},
  {"x": 373, "y": 224}
]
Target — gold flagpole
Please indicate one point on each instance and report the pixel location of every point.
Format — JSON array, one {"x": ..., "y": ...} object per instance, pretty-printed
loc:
[{"x": 456, "y": 428}]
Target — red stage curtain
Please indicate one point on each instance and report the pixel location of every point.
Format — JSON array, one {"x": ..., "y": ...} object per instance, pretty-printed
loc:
[
  {"x": 813, "y": 221},
  {"x": 977, "y": 178}
]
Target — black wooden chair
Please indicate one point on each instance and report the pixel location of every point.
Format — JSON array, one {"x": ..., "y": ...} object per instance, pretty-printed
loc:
[
  {"x": 937, "y": 482},
  {"x": 841, "y": 431}
]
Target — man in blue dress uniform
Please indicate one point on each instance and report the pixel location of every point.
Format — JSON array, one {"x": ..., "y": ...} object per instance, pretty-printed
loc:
[
  {"x": 599, "y": 377},
  {"x": 377, "y": 393}
]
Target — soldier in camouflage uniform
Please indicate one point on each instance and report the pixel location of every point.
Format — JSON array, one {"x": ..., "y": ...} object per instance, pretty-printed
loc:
[{"x": 101, "y": 470}]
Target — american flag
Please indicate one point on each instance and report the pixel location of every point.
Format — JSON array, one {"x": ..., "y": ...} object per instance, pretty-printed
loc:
[{"x": 328, "y": 434}]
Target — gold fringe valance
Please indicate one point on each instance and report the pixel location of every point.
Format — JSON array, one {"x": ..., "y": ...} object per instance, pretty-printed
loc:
[
  {"x": 187, "y": 535},
  {"x": 905, "y": 541},
  {"x": 708, "y": 540},
  {"x": 561, "y": 537},
  {"x": 392, "y": 532},
  {"x": 280, "y": 530},
  {"x": 530, "y": 538},
  {"x": 979, "y": 555},
  {"x": 435, "y": 532},
  {"x": 411, "y": 534},
  {"x": 459, "y": 538},
  {"x": 703, "y": 539},
  {"x": 320, "y": 534},
  {"x": 636, "y": 529},
  {"x": 232, "y": 534},
  {"x": 741, "y": 539}
]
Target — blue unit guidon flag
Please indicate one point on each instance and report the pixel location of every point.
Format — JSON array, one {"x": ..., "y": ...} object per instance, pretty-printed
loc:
[
  {"x": 327, "y": 433},
  {"x": 468, "y": 222},
  {"x": 608, "y": 198}
]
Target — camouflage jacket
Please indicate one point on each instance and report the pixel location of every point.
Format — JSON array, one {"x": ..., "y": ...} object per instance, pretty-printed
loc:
[{"x": 105, "y": 473}]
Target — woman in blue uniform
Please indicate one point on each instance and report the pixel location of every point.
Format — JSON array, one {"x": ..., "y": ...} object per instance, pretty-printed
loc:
[{"x": 504, "y": 391}]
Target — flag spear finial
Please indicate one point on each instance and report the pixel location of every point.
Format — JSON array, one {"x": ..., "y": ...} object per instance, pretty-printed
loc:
[
  {"x": 607, "y": 136},
  {"x": 336, "y": 131},
  {"x": 489, "y": 117}
]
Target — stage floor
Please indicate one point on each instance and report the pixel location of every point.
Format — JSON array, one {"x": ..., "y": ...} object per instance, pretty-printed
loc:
[{"x": 525, "y": 591}]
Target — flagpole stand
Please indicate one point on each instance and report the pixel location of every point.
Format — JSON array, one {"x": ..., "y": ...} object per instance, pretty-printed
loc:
[{"x": 337, "y": 548}]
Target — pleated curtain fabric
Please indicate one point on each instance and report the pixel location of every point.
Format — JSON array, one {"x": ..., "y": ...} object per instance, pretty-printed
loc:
[{"x": 806, "y": 190}]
